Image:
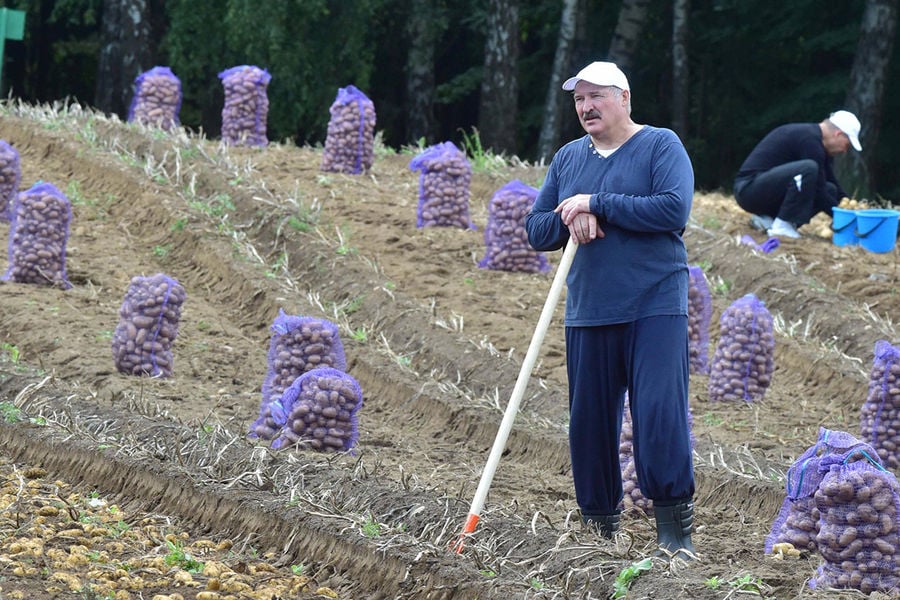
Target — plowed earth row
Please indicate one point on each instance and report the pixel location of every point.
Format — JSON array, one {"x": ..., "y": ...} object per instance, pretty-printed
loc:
[{"x": 436, "y": 345}]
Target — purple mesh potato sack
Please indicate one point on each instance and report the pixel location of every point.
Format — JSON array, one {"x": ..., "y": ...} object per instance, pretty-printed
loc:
[
  {"x": 859, "y": 525},
  {"x": 321, "y": 408},
  {"x": 298, "y": 344},
  {"x": 148, "y": 325},
  {"x": 505, "y": 238},
  {"x": 797, "y": 522},
  {"x": 38, "y": 234},
  {"x": 632, "y": 495},
  {"x": 350, "y": 142},
  {"x": 699, "y": 317},
  {"x": 246, "y": 109},
  {"x": 880, "y": 414},
  {"x": 10, "y": 175},
  {"x": 445, "y": 176},
  {"x": 742, "y": 363},
  {"x": 157, "y": 99}
]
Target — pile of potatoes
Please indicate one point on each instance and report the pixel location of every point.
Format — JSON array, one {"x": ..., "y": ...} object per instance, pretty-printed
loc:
[
  {"x": 853, "y": 204},
  {"x": 148, "y": 325},
  {"x": 699, "y": 317},
  {"x": 321, "y": 408},
  {"x": 797, "y": 522},
  {"x": 505, "y": 238},
  {"x": 38, "y": 235},
  {"x": 880, "y": 413},
  {"x": 743, "y": 360},
  {"x": 858, "y": 525},
  {"x": 10, "y": 174},
  {"x": 157, "y": 99},
  {"x": 443, "y": 187},
  {"x": 246, "y": 110},
  {"x": 350, "y": 142},
  {"x": 298, "y": 345},
  {"x": 826, "y": 230}
]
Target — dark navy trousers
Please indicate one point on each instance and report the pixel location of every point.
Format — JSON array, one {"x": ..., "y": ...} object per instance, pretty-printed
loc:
[
  {"x": 787, "y": 191},
  {"x": 649, "y": 359}
]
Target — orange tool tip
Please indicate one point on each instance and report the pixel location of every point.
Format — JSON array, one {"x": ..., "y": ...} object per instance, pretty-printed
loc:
[{"x": 468, "y": 528}]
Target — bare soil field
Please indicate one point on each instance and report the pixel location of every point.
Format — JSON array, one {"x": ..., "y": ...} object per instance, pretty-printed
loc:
[{"x": 116, "y": 486}]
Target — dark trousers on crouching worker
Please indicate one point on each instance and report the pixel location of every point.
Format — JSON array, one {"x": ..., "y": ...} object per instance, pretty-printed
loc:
[
  {"x": 787, "y": 191},
  {"x": 649, "y": 358}
]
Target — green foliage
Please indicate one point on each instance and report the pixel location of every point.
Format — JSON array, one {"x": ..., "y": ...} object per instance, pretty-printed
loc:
[
  {"x": 10, "y": 412},
  {"x": 480, "y": 158},
  {"x": 712, "y": 419},
  {"x": 288, "y": 38},
  {"x": 62, "y": 44},
  {"x": 371, "y": 528},
  {"x": 11, "y": 351},
  {"x": 177, "y": 557},
  {"x": 754, "y": 64},
  {"x": 627, "y": 576},
  {"x": 747, "y": 583}
]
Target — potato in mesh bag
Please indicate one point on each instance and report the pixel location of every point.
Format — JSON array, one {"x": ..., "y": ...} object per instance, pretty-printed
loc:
[
  {"x": 298, "y": 344},
  {"x": 880, "y": 414},
  {"x": 742, "y": 363},
  {"x": 350, "y": 141},
  {"x": 505, "y": 238},
  {"x": 148, "y": 325},
  {"x": 38, "y": 235},
  {"x": 157, "y": 99},
  {"x": 445, "y": 176},
  {"x": 797, "y": 522},
  {"x": 857, "y": 537},
  {"x": 632, "y": 495},
  {"x": 246, "y": 110},
  {"x": 10, "y": 175},
  {"x": 699, "y": 317},
  {"x": 321, "y": 408}
]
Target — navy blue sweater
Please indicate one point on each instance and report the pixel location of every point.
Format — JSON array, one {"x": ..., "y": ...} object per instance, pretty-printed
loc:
[{"x": 642, "y": 194}]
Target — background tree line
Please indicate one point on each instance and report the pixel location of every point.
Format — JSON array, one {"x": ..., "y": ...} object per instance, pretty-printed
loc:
[{"x": 721, "y": 73}]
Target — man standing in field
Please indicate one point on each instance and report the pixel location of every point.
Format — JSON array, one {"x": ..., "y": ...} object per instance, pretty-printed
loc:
[{"x": 623, "y": 192}]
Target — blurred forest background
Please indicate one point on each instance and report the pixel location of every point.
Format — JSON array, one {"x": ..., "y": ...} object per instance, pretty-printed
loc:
[{"x": 721, "y": 73}]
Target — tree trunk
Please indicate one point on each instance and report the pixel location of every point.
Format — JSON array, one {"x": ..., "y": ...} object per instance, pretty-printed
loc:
[
  {"x": 632, "y": 17},
  {"x": 420, "y": 121},
  {"x": 125, "y": 53},
  {"x": 498, "y": 106},
  {"x": 553, "y": 104},
  {"x": 681, "y": 11},
  {"x": 865, "y": 97}
]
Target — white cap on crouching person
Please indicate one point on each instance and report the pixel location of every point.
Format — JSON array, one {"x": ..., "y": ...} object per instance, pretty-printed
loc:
[
  {"x": 598, "y": 73},
  {"x": 849, "y": 124}
]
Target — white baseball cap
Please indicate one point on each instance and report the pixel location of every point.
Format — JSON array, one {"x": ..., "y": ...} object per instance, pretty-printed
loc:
[
  {"x": 599, "y": 73},
  {"x": 849, "y": 124}
]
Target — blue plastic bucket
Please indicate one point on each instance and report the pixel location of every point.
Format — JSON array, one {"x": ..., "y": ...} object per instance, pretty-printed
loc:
[
  {"x": 843, "y": 224},
  {"x": 876, "y": 229}
]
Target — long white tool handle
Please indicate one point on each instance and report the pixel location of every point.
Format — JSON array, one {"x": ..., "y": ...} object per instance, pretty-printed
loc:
[{"x": 518, "y": 392}]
